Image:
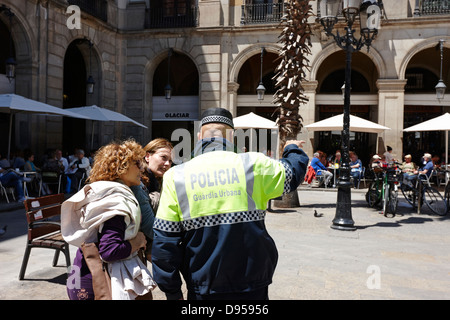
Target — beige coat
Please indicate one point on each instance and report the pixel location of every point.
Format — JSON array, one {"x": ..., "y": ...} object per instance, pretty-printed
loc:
[{"x": 82, "y": 218}]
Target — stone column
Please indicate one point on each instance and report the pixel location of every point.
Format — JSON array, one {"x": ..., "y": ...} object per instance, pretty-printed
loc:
[
  {"x": 391, "y": 97},
  {"x": 308, "y": 111},
  {"x": 232, "y": 97}
]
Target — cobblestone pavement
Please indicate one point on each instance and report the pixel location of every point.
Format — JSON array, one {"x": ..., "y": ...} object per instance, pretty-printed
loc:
[{"x": 405, "y": 257}]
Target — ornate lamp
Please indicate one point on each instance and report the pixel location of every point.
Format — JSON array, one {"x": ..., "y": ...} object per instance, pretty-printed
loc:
[
  {"x": 168, "y": 88},
  {"x": 90, "y": 83},
  {"x": 441, "y": 87},
  {"x": 260, "y": 90}
]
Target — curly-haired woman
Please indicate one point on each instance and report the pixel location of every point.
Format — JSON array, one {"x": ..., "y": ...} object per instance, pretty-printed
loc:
[{"x": 107, "y": 213}]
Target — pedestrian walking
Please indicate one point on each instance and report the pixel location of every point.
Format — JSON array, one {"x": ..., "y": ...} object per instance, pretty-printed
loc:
[{"x": 210, "y": 222}]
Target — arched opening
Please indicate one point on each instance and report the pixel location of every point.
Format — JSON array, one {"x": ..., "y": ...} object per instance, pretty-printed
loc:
[
  {"x": 331, "y": 78},
  {"x": 250, "y": 74},
  {"x": 5, "y": 85},
  {"x": 422, "y": 74},
  {"x": 182, "y": 109},
  {"x": 183, "y": 76},
  {"x": 248, "y": 78},
  {"x": 77, "y": 67},
  {"x": 333, "y": 83}
]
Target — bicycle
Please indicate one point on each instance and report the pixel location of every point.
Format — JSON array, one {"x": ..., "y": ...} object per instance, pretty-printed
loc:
[
  {"x": 384, "y": 190},
  {"x": 430, "y": 195},
  {"x": 447, "y": 193}
]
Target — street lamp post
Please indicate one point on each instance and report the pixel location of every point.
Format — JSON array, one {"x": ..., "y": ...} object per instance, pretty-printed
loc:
[
  {"x": 168, "y": 88},
  {"x": 260, "y": 90},
  {"x": 441, "y": 87},
  {"x": 370, "y": 13},
  {"x": 90, "y": 83}
]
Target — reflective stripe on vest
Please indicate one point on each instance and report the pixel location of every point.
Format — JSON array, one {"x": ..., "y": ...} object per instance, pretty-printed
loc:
[
  {"x": 230, "y": 183},
  {"x": 219, "y": 187}
]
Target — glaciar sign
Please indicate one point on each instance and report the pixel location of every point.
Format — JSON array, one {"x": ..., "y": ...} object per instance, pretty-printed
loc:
[
  {"x": 184, "y": 108},
  {"x": 177, "y": 115}
]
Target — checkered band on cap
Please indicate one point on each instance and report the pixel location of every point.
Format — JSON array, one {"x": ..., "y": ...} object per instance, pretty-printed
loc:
[{"x": 217, "y": 119}]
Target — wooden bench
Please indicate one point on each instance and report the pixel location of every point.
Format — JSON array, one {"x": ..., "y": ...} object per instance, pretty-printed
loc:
[{"x": 44, "y": 230}]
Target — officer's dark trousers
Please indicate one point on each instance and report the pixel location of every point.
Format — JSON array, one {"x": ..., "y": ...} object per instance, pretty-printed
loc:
[{"x": 260, "y": 294}]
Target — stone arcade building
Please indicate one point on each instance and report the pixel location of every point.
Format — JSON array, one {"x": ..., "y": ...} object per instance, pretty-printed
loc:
[{"x": 214, "y": 48}]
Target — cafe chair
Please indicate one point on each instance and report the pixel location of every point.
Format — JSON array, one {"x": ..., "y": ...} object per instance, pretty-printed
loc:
[
  {"x": 44, "y": 228},
  {"x": 362, "y": 176},
  {"x": 50, "y": 177},
  {"x": 4, "y": 190}
]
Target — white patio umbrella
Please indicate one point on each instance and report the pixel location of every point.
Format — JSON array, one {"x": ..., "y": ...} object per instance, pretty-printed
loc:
[
  {"x": 13, "y": 103},
  {"x": 101, "y": 114},
  {"x": 336, "y": 123},
  {"x": 441, "y": 123},
  {"x": 253, "y": 121}
]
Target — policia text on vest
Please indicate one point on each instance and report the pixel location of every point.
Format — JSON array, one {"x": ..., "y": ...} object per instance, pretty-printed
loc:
[{"x": 222, "y": 177}]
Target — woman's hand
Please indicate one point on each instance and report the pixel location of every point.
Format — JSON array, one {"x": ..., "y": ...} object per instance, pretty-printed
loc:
[{"x": 138, "y": 242}]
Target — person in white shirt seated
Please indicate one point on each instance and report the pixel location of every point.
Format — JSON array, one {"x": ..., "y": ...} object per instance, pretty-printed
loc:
[{"x": 78, "y": 168}]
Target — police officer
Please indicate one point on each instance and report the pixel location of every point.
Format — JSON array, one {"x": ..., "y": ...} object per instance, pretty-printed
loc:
[{"x": 210, "y": 223}]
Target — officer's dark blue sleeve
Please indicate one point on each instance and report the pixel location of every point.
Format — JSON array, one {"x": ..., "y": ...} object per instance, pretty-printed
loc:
[
  {"x": 166, "y": 262},
  {"x": 295, "y": 162},
  {"x": 168, "y": 247}
]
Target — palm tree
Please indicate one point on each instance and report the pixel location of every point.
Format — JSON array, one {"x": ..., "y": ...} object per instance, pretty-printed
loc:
[{"x": 291, "y": 71}]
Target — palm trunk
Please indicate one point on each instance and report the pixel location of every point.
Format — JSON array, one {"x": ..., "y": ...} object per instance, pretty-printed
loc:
[{"x": 296, "y": 41}]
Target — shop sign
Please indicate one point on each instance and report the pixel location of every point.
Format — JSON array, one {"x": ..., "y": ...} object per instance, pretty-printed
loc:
[{"x": 184, "y": 108}]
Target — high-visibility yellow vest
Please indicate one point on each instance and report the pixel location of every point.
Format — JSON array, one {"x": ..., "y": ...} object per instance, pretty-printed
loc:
[
  {"x": 219, "y": 187},
  {"x": 210, "y": 220}
]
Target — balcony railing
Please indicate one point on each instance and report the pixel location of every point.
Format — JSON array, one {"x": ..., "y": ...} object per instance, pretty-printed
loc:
[
  {"x": 161, "y": 18},
  {"x": 432, "y": 7},
  {"x": 262, "y": 13},
  {"x": 96, "y": 8}
]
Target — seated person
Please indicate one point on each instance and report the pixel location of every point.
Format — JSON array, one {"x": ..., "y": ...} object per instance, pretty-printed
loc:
[
  {"x": 31, "y": 167},
  {"x": 408, "y": 167},
  {"x": 337, "y": 159},
  {"x": 427, "y": 168},
  {"x": 78, "y": 168},
  {"x": 376, "y": 162},
  {"x": 355, "y": 168},
  {"x": 320, "y": 169},
  {"x": 11, "y": 178}
]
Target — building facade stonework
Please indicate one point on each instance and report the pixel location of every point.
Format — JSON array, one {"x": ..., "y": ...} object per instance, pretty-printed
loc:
[{"x": 215, "y": 62}]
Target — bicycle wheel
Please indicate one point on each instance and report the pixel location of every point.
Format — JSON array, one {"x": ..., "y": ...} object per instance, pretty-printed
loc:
[
  {"x": 435, "y": 201},
  {"x": 447, "y": 196},
  {"x": 410, "y": 194},
  {"x": 391, "y": 208},
  {"x": 372, "y": 195}
]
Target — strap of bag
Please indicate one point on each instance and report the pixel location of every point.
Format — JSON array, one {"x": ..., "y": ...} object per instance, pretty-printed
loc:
[{"x": 101, "y": 281}]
